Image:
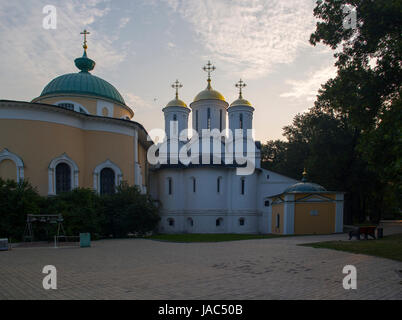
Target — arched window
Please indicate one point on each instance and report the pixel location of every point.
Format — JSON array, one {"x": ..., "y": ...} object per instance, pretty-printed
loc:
[
  {"x": 175, "y": 124},
  {"x": 278, "y": 221},
  {"x": 241, "y": 121},
  {"x": 107, "y": 181},
  {"x": 170, "y": 222},
  {"x": 219, "y": 222},
  {"x": 190, "y": 222},
  {"x": 63, "y": 178},
  {"x": 19, "y": 164},
  {"x": 107, "y": 176},
  {"x": 242, "y": 221},
  {"x": 209, "y": 119}
]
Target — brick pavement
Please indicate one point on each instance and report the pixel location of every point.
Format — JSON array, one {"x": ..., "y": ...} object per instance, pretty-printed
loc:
[{"x": 146, "y": 269}]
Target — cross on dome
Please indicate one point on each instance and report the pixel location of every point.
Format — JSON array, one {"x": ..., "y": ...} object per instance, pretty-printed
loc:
[
  {"x": 85, "y": 33},
  {"x": 241, "y": 84},
  {"x": 177, "y": 85},
  {"x": 209, "y": 68}
]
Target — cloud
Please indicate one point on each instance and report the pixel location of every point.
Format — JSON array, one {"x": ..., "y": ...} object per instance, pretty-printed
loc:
[
  {"x": 123, "y": 22},
  {"x": 137, "y": 102},
  {"x": 307, "y": 89},
  {"x": 34, "y": 55},
  {"x": 252, "y": 37}
]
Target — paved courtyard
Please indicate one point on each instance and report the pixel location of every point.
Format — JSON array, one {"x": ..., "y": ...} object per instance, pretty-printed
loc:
[{"x": 146, "y": 269}]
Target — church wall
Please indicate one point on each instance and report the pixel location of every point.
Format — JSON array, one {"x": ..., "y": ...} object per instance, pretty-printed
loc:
[
  {"x": 277, "y": 209},
  {"x": 323, "y": 223},
  {"x": 38, "y": 143},
  {"x": 89, "y": 103}
]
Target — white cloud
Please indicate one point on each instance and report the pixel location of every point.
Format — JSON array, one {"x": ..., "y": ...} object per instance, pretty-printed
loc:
[
  {"x": 307, "y": 89},
  {"x": 252, "y": 37},
  {"x": 34, "y": 55},
  {"x": 137, "y": 102}
]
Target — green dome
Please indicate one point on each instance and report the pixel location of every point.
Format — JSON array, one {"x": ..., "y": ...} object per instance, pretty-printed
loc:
[
  {"x": 83, "y": 83},
  {"x": 305, "y": 187}
]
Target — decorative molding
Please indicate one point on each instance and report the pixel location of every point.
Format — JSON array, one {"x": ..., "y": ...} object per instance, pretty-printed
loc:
[
  {"x": 7, "y": 155},
  {"x": 64, "y": 158},
  {"x": 118, "y": 174}
]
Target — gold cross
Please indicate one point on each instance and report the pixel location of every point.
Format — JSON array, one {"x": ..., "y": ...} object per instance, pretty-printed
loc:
[
  {"x": 85, "y": 33},
  {"x": 209, "y": 68},
  {"x": 240, "y": 85},
  {"x": 177, "y": 85}
]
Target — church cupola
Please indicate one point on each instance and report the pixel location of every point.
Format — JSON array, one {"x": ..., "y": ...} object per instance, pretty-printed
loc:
[
  {"x": 240, "y": 111},
  {"x": 176, "y": 113},
  {"x": 209, "y": 107}
]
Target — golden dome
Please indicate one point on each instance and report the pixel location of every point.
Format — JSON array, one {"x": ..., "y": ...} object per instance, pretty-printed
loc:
[
  {"x": 176, "y": 103},
  {"x": 240, "y": 102},
  {"x": 209, "y": 94}
]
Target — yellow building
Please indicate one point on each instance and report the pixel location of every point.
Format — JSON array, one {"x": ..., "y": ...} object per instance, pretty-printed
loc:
[
  {"x": 77, "y": 133},
  {"x": 307, "y": 208}
]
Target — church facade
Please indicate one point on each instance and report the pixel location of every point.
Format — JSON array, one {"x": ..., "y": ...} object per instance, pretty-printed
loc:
[{"x": 79, "y": 132}]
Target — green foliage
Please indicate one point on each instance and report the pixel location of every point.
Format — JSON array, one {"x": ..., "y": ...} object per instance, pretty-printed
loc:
[
  {"x": 83, "y": 210},
  {"x": 351, "y": 139},
  {"x": 129, "y": 211},
  {"x": 16, "y": 201}
]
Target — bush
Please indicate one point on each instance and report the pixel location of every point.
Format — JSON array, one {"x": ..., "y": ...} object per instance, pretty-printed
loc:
[
  {"x": 129, "y": 211},
  {"x": 83, "y": 210},
  {"x": 16, "y": 201}
]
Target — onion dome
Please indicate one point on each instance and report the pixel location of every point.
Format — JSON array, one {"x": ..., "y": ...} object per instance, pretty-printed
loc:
[
  {"x": 240, "y": 101},
  {"x": 176, "y": 102},
  {"x": 83, "y": 82},
  {"x": 304, "y": 186},
  {"x": 209, "y": 93}
]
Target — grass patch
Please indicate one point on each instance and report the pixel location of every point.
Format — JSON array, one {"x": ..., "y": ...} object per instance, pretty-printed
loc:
[
  {"x": 197, "y": 237},
  {"x": 389, "y": 247}
]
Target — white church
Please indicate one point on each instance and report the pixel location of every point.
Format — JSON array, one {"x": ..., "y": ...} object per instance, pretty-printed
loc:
[{"x": 213, "y": 198}]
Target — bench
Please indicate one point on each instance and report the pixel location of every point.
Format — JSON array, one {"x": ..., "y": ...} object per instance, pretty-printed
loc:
[{"x": 366, "y": 231}]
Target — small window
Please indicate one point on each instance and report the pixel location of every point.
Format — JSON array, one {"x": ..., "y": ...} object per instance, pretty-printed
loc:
[
  {"x": 243, "y": 185},
  {"x": 218, "y": 185},
  {"x": 171, "y": 222},
  {"x": 278, "y": 220},
  {"x": 194, "y": 184},
  {"x": 170, "y": 185},
  {"x": 196, "y": 120},
  {"x": 267, "y": 176},
  {"x": 209, "y": 119},
  {"x": 314, "y": 213},
  {"x": 241, "y": 121},
  {"x": 220, "y": 120},
  {"x": 219, "y": 222},
  {"x": 241, "y": 221},
  {"x": 190, "y": 222},
  {"x": 68, "y": 106},
  {"x": 266, "y": 203}
]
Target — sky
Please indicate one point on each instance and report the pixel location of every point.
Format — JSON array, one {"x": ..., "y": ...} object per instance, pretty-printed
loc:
[{"x": 143, "y": 46}]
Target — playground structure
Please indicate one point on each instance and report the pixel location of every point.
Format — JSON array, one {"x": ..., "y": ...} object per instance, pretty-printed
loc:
[{"x": 43, "y": 218}]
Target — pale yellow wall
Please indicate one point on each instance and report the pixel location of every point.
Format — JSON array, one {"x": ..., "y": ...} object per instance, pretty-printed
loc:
[
  {"x": 142, "y": 159},
  {"x": 89, "y": 104},
  {"x": 37, "y": 143},
  {"x": 323, "y": 223},
  {"x": 277, "y": 209},
  {"x": 8, "y": 170}
]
